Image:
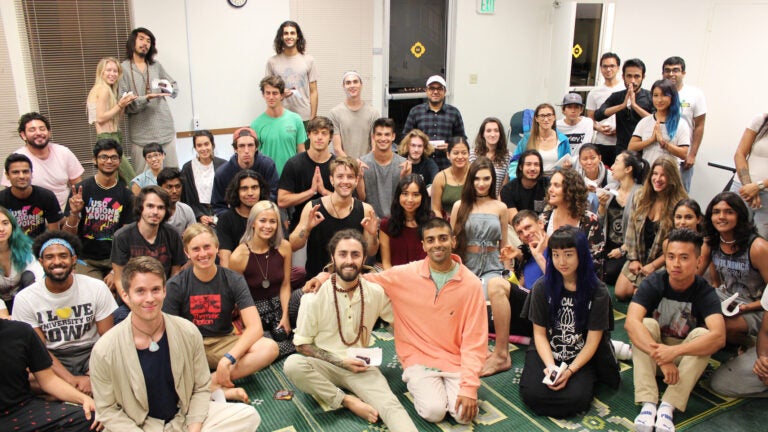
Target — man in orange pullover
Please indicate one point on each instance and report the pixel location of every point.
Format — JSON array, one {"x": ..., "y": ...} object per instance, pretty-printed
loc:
[{"x": 441, "y": 326}]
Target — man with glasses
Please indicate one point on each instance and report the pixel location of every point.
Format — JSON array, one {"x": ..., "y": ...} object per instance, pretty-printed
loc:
[
  {"x": 437, "y": 119},
  {"x": 693, "y": 110},
  {"x": 605, "y": 131},
  {"x": 630, "y": 105},
  {"x": 97, "y": 208},
  {"x": 246, "y": 156}
]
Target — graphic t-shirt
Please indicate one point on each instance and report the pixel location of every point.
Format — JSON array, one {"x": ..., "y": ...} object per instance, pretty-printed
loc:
[
  {"x": 209, "y": 304},
  {"x": 33, "y": 213},
  {"x": 104, "y": 212},
  {"x": 167, "y": 247},
  {"x": 66, "y": 319},
  {"x": 577, "y": 134}
]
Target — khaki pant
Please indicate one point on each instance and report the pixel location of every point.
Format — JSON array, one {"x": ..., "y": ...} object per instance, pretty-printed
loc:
[
  {"x": 323, "y": 380},
  {"x": 222, "y": 417},
  {"x": 690, "y": 369},
  {"x": 434, "y": 392}
]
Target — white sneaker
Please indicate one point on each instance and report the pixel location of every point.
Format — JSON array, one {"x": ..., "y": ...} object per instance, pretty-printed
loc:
[{"x": 623, "y": 350}]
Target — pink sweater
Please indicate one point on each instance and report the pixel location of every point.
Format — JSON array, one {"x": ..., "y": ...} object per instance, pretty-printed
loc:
[{"x": 446, "y": 330}]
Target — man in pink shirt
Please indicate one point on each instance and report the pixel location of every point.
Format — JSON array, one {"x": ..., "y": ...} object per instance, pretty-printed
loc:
[
  {"x": 56, "y": 168},
  {"x": 441, "y": 326}
]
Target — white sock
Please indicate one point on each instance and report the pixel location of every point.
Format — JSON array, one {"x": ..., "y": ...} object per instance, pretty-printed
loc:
[
  {"x": 664, "y": 418},
  {"x": 644, "y": 420}
]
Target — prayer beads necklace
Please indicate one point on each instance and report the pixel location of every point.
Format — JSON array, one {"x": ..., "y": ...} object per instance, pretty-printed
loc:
[{"x": 338, "y": 314}]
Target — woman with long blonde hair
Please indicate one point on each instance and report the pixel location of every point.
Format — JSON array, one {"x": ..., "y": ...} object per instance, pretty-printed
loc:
[
  {"x": 104, "y": 108},
  {"x": 650, "y": 223}
]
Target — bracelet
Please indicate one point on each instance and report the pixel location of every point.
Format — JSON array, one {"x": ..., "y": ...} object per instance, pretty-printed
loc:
[
  {"x": 761, "y": 185},
  {"x": 230, "y": 357},
  {"x": 573, "y": 372}
]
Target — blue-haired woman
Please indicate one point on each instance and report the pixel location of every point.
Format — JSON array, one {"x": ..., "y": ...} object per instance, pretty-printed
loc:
[
  {"x": 662, "y": 133},
  {"x": 18, "y": 268},
  {"x": 570, "y": 309}
]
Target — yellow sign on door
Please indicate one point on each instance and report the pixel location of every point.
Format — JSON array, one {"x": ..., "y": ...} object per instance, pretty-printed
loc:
[
  {"x": 577, "y": 51},
  {"x": 418, "y": 49}
]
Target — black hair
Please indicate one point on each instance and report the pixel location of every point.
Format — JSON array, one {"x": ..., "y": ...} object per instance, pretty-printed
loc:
[
  {"x": 633, "y": 62},
  {"x": 130, "y": 45},
  {"x": 17, "y": 157},
  {"x": 205, "y": 133},
  {"x": 168, "y": 174},
  {"x": 346, "y": 234},
  {"x": 685, "y": 235},
  {"x": 107, "y": 144},
  {"x": 640, "y": 166},
  {"x": 521, "y": 162},
  {"x": 434, "y": 222},
  {"x": 674, "y": 60},
  {"x": 383, "y": 122},
  {"x": 610, "y": 55},
  {"x": 397, "y": 213},
  {"x": 301, "y": 43},
  {"x": 232, "y": 194},
  {"x": 70, "y": 238},
  {"x": 745, "y": 227},
  {"x": 28, "y": 117},
  {"x": 152, "y": 148}
]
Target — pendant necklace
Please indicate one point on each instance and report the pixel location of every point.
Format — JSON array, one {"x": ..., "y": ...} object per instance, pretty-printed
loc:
[
  {"x": 153, "y": 346},
  {"x": 264, "y": 274}
]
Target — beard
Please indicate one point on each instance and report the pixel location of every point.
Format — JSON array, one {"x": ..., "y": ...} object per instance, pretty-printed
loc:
[
  {"x": 61, "y": 278},
  {"x": 347, "y": 276},
  {"x": 39, "y": 146}
]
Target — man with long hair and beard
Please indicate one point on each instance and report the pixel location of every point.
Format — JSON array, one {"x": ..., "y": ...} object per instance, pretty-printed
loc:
[
  {"x": 323, "y": 339},
  {"x": 149, "y": 117}
]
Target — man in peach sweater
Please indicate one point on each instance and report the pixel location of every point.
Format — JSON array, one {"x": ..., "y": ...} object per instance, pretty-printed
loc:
[{"x": 441, "y": 326}]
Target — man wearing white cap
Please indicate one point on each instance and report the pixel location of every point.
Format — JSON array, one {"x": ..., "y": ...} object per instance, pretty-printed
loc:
[
  {"x": 352, "y": 119},
  {"x": 437, "y": 119}
]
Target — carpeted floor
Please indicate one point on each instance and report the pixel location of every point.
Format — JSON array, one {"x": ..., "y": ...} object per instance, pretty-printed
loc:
[{"x": 500, "y": 408}]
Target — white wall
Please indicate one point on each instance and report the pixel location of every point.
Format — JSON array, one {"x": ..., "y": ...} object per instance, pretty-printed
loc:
[{"x": 508, "y": 51}]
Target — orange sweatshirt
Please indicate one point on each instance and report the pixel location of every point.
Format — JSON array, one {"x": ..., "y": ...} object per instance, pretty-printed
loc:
[{"x": 446, "y": 330}]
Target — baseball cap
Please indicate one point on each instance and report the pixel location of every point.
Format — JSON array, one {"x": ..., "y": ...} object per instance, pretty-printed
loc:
[
  {"x": 436, "y": 79},
  {"x": 572, "y": 99},
  {"x": 248, "y": 131}
]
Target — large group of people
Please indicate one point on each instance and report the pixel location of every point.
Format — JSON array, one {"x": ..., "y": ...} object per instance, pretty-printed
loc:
[{"x": 146, "y": 290}]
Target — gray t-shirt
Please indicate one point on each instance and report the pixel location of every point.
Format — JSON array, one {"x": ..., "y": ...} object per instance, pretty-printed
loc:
[
  {"x": 182, "y": 217},
  {"x": 380, "y": 183},
  {"x": 354, "y": 127},
  {"x": 209, "y": 304}
]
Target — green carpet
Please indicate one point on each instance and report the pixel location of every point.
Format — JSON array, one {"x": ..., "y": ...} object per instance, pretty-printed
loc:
[{"x": 501, "y": 408}]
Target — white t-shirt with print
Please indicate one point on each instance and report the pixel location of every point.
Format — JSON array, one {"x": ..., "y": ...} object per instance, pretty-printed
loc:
[
  {"x": 644, "y": 130},
  {"x": 595, "y": 100}
]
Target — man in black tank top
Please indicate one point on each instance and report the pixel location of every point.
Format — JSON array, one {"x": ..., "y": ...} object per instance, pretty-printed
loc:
[{"x": 323, "y": 217}]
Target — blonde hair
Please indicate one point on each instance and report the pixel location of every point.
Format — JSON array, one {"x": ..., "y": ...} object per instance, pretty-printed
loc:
[
  {"x": 346, "y": 161},
  {"x": 195, "y": 230},
  {"x": 256, "y": 210},
  {"x": 402, "y": 148},
  {"x": 99, "y": 82}
]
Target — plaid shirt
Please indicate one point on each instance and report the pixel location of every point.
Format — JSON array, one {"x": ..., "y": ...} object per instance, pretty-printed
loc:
[{"x": 438, "y": 125}]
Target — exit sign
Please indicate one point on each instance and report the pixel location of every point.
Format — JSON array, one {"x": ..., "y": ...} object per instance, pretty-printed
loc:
[{"x": 486, "y": 7}]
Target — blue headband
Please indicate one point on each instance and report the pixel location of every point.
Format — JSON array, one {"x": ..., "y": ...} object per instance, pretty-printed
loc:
[{"x": 57, "y": 241}]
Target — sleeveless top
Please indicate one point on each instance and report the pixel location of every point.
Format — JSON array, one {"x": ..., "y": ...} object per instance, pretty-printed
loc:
[
  {"x": 738, "y": 274},
  {"x": 269, "y": 264},
  {"x": 317, "y": 244},
  {"x": 484, "y": 230},
  {"x": 451, "y": 194}
]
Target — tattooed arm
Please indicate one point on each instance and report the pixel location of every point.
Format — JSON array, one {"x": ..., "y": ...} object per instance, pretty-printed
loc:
[{"x": 312, "y": 350}]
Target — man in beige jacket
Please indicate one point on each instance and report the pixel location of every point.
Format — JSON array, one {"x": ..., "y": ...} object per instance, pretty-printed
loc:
[{"x": 151, "y": 353}]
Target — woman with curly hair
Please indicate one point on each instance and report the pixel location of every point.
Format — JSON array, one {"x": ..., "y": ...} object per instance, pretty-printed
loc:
[
  {"x": 18, "y": 266},
  {"x": 650, "y": 223},
  {"x": 567, "y": 205},
  {"x": 479, "y": 222},
  {"x": 399, "y": 240},
  {"x": 105, "y": 108},
  {"x": 491, "y": 142},
  {"x": 416, "y": 148}
]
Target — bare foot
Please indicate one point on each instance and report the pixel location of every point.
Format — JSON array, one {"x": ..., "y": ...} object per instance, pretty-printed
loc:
[
  {"x": 495, "y": 364},
  {"x": 360, "y": 408},
  {"x": 236, "y": 394}
]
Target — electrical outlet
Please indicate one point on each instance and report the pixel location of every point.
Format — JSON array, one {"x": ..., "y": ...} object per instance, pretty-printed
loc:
[{"x": 196, "y": 123}]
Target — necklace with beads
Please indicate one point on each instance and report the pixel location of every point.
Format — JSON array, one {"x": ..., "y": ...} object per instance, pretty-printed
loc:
[{"x": 360, "y": 327}]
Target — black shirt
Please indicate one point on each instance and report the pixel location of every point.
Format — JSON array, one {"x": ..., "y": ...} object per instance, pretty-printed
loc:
[
  {"x": 627, "y": 118},
  {"x": 230, "y": 229},
  {"x": 158, "y": 377},
  {"x": 297, "y": 177},
  {"x": 22, "y": 349},
  {"x": 514, "y": 195},
  {"x": 32, "y": 214}
]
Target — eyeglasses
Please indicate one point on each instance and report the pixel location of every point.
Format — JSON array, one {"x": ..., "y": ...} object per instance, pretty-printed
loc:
[
  {"x": 111, "y": 158},
  {"x": 435, "y": 89},
  {"x": 545, "y": 116},
  {"x": 673, "y": 70}
]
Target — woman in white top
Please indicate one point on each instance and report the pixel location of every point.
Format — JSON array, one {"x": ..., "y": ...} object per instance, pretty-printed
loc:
[
  {"x": 18, "y": 267},
  {"x": 197, "y": 176},
  {"x": 662, "y": 133},
  {"x": 104, "y": 108},
  {"x": 751, "y": 179},
  {"x": 551, "y": 144}
]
